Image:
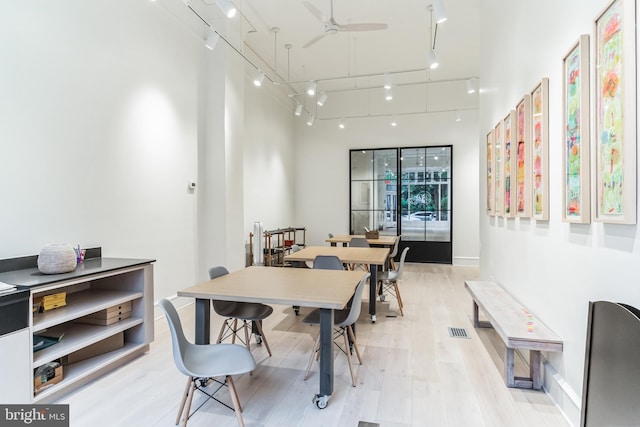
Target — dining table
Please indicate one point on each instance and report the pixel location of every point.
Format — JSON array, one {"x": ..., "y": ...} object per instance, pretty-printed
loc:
[
  {"x": 345, "y": 239},
  {"x": 374, "y": 257},
  {"x": 327, "y": 290}
]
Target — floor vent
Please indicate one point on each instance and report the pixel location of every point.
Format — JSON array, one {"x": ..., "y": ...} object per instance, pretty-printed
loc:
[{"x": 458, "y": 333}]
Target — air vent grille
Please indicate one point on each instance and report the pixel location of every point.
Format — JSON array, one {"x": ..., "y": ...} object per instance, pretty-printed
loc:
[{"x": 458, "y": 333}]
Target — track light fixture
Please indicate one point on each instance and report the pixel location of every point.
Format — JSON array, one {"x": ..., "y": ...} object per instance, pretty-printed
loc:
[
  {"x": 322, "y": 99},
  {"x": 471, "y": 85},
  {"x": 438, "y": 10},
  {"x": 387, "y": 81},
  {"x": 394, "y": 122},
  {"x": 227, "y": 8},
  {"x": 259, "y": 79},
  {"x": 388, "y": 94},
  {"x": 341, "y": 125},
  {"x": 311, "y": 89},
  {"x": 432, "y": 60},
  {"x": 310, "y": 120},
  {"x": 458, "y": 116},
  {"x": 212, "y": 40},
  {"x": 298, "y": 109}
]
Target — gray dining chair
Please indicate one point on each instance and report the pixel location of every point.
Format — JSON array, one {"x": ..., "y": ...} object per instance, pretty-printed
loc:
[
  {"x": 359, "y": 242},
  {"x": 342, "y": 324},
  {"x": 388, "y": 281},
  {"x": 393, "y": 253},
  {"x": 203, "y": 363},
  {"x": 250, "y": 314}
]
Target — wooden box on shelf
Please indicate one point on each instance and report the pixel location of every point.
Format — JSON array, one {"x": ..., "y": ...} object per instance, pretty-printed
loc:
[
  {"x": 109, "y": 315},
  {"x": 42, "y": 378}
]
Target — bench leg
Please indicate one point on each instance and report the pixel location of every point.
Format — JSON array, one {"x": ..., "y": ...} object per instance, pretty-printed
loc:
[
  {"x": 534, "y": 369},
  {"x": 477, "y": 323},
  {"x": 509, "y": 368}
]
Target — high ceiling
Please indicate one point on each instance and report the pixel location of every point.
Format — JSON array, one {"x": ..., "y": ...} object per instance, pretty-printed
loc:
[{"x": 262, "y": 29}]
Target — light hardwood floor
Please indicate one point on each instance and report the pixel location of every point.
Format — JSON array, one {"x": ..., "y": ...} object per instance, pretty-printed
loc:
[{"x": 414, "y": 374}]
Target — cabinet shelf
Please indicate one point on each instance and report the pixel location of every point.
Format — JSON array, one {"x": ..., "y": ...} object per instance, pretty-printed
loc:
[
  {"x": 80, "y": 335},
  {"x": 81, "y": 304}
]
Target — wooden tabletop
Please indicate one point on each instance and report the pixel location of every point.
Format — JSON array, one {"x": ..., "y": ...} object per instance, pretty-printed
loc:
[
  {"x": 381, "y": 241},
  {"x": 377, "y": 256},
  {"x": 277, "y": 285}
]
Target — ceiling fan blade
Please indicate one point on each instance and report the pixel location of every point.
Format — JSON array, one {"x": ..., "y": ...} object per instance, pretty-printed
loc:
[
  {"x": 315, "y": 11},
  {"x": 363, "y": 27},
  {"x": 314, "y": 40}
]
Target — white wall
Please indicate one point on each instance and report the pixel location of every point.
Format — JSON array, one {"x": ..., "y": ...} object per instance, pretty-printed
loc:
[
  {"x": 108, "y": 109},
  {"x": 553, "y": 268},
  {"x": 322, "y": 166}
]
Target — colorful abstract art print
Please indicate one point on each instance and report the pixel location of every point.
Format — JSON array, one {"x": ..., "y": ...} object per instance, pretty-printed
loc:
[
  {"x": 523, "y": 158},
  {"x": 540, "y": 150},
  {"x": 615, "y": 192},
  {"x": 491, "y": 185},
  {"x": 576, "y": 206},
  {"x": 508, "y": 161},
  {"x": 498, "y": 168}
]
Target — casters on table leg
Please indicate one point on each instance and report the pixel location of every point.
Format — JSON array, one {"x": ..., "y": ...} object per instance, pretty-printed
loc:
[
  {"x": 320, "y": 401},
  {"x": 382, "y": 297},
  {"x": 258, "y": 339},
  {"x": 373, "y": 318}
]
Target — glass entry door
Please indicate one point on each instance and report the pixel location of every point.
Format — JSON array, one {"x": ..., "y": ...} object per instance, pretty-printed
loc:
[
  {"x": 405, "y": 191},
  {"x": 425, "y": 203}
]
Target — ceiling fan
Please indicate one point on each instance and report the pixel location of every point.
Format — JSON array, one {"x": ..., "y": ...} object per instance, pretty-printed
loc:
[{"x": 332, "y": 27}]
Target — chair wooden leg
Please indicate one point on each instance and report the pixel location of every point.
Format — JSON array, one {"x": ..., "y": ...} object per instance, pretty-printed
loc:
[
  {"x": 246, "y": 326},
  {"x": 184, "y": 399},
  {"x": 187, "y": 408},
  {"x": 236, "y": 400},
  {"x": 235, "y": 331},
  {"x": 311, "y": 357},
  {"x": 221, "y": 334},
  {"x": 264, "y": 337},
  {"x": 398, "y": 297},
  {"x": 355, "y": 343},
  {"x": 348, "y": 353},
  {"x": 392, "y": 264}
]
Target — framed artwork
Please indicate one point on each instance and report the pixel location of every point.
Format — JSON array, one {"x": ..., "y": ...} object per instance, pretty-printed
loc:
[
  {"x": 540, "y": 151},
  {"x": 491, "y": 185},
  {"x": 576, "y": 199},
  {"x": 509, "y": 165},
  {"x": 615, "y": 68},
  {"x": 498, "y": 169},
  {"x": 522, "y": 187}
]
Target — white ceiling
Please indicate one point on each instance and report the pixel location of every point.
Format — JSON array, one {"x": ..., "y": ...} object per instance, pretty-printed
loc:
[{"x": 335, "y": 60}]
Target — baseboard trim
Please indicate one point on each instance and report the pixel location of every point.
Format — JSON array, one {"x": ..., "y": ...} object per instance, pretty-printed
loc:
[
  {"x": 562, "y": 395},
  {"x": 466, "y": 261}
]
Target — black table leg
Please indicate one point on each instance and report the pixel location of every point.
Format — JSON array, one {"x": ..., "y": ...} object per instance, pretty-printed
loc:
[
  {"x": 326, "y": 352},
  {"x": 373, "y": 283},
  {"x": 203, "y": 321}
]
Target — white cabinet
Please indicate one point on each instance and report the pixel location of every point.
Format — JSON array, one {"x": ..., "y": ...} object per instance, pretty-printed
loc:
[
  {"x": 15, "y": 367},
  {"x": 94, "y": 286}
]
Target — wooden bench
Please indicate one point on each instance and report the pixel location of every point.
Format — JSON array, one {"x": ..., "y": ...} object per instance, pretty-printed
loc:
[{"x": 517, "y": 327}]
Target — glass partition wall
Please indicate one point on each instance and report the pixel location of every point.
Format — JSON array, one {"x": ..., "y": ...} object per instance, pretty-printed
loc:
[{"x": 405, "y": 191}]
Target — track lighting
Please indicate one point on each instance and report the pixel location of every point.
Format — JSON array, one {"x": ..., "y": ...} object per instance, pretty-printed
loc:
[
  {"x": 438, "y": 10},
  {"x": 341, "y": 125},
  {"x": 458, "y": 116},
  {"x": 311, "y": 89},
  {"x": 322, "y": 99},
  {"x": 310, "y": 120},
  {"x": 298, "y": 109},
  {"x": 394, "y": 122},
  {"x": 259, "y": 79},
  {"x": 212, "y": 40},
  {"x": 471, "y": 85},
  {"x": 387, "y": 81},
  {"x": 432, "y": 60},
  {"x": 227, "y": 8},
  {"x": 388, "y": 94}
]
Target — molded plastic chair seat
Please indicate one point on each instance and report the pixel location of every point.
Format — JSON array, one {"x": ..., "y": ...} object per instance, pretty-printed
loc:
[
  {"x": 388, "y": 282},
  {"x": 342, "y": 322},
  {"x": 201, "y": 363},
  {"x": 245, "y": 312},
  {"x": 359, "y": 242}
]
